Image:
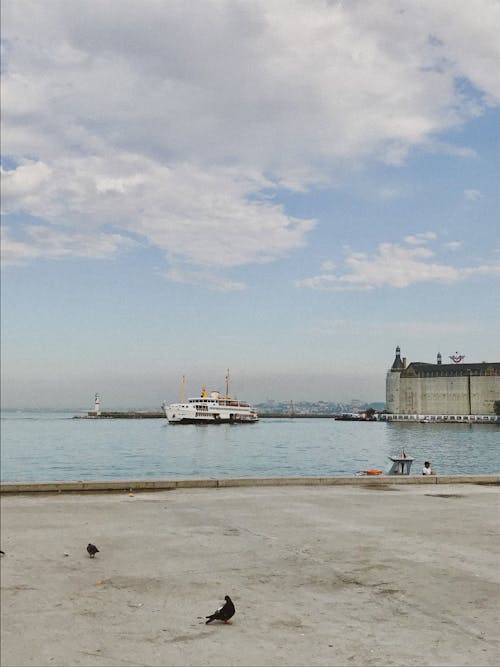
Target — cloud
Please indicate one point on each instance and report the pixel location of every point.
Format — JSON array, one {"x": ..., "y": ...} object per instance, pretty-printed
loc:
[
  {"x": 328, "y": 266},
  {"x": 421, "y": 238},
  {"x": 387, "y": 193},
  {"x": 483, "y": 270},
  {"x": 211, "y": 217},
  {"x": 203, "y": 279},
  {"x": 453, "y": 245},
  {"x": 394, "y": 265},
  {"x": 179, "y": 122},
  {"x": 472, "y": 195},
  {"x": 53, "y": 243},
  {"x": 449, "y": 149},
  {"x": 21, "y": 183}
]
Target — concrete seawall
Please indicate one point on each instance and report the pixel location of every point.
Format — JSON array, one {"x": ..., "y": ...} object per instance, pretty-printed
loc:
[{"x": 94, "y": 486}]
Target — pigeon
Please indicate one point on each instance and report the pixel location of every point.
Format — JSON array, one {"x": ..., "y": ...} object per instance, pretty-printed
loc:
[
  {"x": 224, "y": 613},
  {"x": 92, "y": 549},
  {"x": 2, "y": 552}
]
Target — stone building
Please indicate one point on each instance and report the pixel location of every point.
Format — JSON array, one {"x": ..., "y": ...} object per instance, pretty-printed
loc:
[{"x": 442, "y": 389}]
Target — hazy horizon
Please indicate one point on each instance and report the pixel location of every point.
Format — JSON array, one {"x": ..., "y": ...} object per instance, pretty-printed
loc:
[{"x": 255, "y": 390}]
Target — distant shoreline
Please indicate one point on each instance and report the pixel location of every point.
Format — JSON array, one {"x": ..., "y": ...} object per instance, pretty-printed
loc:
[{"x": 435, "y": 419}]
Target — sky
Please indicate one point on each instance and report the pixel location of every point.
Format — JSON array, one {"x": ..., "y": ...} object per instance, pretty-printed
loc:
[{"x": 288, "y": 189}]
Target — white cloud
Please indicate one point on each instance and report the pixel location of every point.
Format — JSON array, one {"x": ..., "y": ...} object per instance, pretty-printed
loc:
[
  {"x": 328, "y": 266},
  {"x": 177, "y": 121},
  {"x": 449, "y": 149},
  {"x": 472, "y": 195},
  {"x": 421, "y": 238},
  {"x": 388, "y": 193},
  {"x": 212, "y": 217},
  {"x": 21, "y": 184},
  {"x": 203, "y": 279},
  {"x": 483, "y": 270},
  {"x": 54, "y": 243},
  {"x": 394, "y": 265},
  {"x": 453, "y": 245}
]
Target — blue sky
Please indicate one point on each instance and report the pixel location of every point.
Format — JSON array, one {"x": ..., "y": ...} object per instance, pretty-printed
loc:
[{"x": 287, "y": 189}]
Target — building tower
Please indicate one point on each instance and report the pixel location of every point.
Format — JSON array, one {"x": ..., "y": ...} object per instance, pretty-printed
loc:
[{"x": 392, "y": 383}]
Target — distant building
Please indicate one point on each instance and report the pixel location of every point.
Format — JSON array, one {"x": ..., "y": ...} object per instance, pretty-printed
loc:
[{"x": 444, "y": 389}]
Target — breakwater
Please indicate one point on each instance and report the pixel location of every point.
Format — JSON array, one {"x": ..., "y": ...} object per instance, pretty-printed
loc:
[
  {"x": 122, "y": 415},
  {"x": 161, "y": 415}
]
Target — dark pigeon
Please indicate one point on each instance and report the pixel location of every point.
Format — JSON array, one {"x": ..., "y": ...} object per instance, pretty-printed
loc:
[
  {"x": 224, "y": 613},
  {"x": 2, "y": 552},
  {"x": 92, "y": 549}
]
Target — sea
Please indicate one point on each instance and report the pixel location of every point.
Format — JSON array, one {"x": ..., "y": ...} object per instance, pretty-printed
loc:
[{"x": 53, "y": 446}]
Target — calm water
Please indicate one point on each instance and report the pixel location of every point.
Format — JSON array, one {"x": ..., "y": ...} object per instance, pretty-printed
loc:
[{"x": 52, "y": 446}]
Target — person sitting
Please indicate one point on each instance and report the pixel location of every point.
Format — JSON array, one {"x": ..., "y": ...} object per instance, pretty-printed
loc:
[{"x": 426, "y": 470}]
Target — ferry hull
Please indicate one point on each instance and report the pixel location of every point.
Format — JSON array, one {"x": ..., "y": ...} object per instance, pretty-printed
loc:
[
  {"x": 175, "y": 415},
  {"x": 194, "y": 420}
]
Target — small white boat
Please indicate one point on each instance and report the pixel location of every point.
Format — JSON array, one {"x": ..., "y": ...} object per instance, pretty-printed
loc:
[{"x": 210, "y": 409}]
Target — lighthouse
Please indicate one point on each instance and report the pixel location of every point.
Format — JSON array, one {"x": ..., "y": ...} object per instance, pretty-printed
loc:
[{"x": 97, "y": 406}]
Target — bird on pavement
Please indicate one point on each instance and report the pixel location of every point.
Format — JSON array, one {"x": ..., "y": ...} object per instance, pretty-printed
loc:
[
  {"x": 224, "y": 613},
  {"x": 92, "y": 549}
]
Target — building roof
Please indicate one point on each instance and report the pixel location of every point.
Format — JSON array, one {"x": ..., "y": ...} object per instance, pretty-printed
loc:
[
  {"x": 421, "y": 369},
  {"x": 397, "y": 364}
]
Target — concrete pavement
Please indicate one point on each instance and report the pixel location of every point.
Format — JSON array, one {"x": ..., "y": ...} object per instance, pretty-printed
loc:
[{"x": 371, "y": 574}]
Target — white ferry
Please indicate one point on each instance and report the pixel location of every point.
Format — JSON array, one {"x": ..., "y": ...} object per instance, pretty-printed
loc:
[{"x": 210, "y": 409}]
